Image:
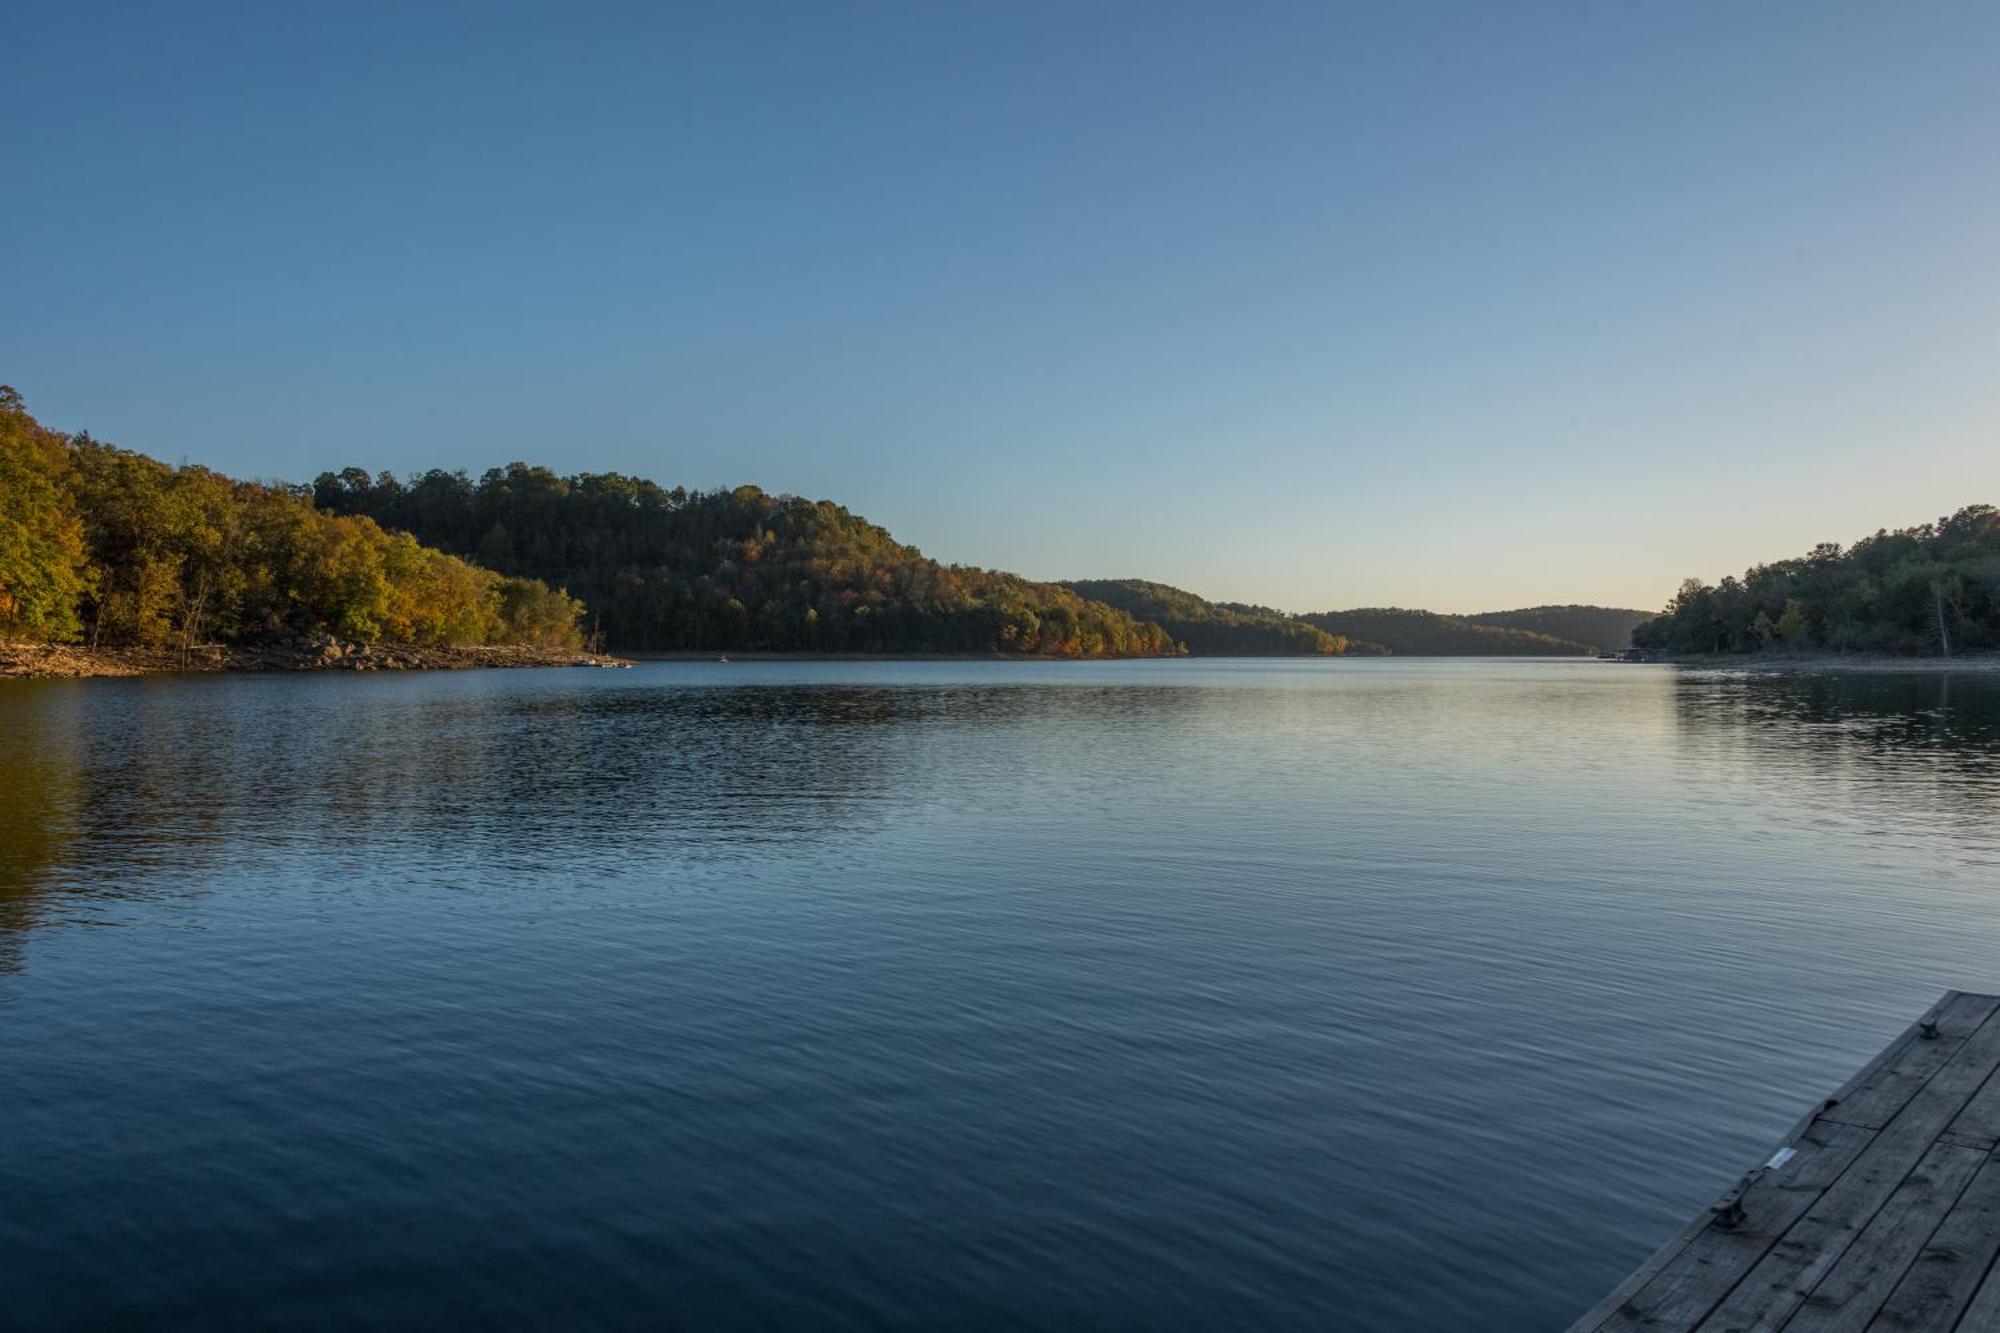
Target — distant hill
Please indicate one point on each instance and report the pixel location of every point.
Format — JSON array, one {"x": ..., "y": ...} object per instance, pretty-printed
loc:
[
  {"x": 1235, "y": 629},
  {"x": 1428, "y": 634},
  {"x": 1216, "y": 629},
  {"x": 743, "y": 569},
  {"x": 674, "y": 569},
  {"x": 1605, "y": 628}
]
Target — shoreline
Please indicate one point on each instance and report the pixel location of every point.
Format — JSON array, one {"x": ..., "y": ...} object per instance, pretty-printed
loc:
[
  {"x": 59, "y": 661},
  {"x": 1854, "y": 663},
  {"x": 42, "y": 661},
  {"x": 714, "y": 655}
]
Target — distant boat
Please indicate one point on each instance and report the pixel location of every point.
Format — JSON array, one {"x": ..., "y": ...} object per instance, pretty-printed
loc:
[{"x": 723, "y": 658}]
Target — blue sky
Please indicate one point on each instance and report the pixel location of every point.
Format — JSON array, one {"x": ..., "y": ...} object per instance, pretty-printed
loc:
[{"x": 1461, "y": 306}]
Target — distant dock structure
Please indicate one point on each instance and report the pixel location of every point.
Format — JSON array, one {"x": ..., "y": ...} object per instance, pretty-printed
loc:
[{"x": 1879, "y": 1213}]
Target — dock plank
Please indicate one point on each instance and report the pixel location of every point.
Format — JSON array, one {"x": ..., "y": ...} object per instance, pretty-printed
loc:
[
  {"x": 1978, "y": 1125},
  {"x": 1880, "y": 1215},
  {"x": 1873, "y": 1098},
  {"x": 1940, "y": 1285},
  {"x": 1815, "y": 1243},
  {"x": 1958, "y": 1014},
  {"x": 1983, "y": 1315},
  {"x": 1712, "y": 1261},
  {"x": 1855, "y": 1289}
]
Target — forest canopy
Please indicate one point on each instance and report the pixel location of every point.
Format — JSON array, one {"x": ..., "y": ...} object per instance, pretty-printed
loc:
[
  {"x": 735, "y": 570},
  {"x": 112, "y": 547},
  {"x": 676, "y": 569},
  {"x": 1934, "y": 588},
  {"x": 1428, "y": 634},
  {"x": 1607, "y": 629},
  {"x": 1229, "y": 629}
]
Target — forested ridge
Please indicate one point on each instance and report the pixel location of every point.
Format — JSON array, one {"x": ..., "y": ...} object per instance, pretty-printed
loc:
[
  {"x": 667, "y": 569},
  {"x": 1933, "y": 588},
  {"x": 109, "y": 547},
  {"x": 1218, "y": 628},
  {"x": 112, "y": 548},
  {"x": 1606, "y": 629},
  {"x": 1428, "y": 634},
  {"x": 1233, "y": 628}
]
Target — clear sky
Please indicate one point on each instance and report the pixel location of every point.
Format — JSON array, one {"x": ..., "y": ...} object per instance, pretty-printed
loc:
[{"x": 1461, "y": 306}]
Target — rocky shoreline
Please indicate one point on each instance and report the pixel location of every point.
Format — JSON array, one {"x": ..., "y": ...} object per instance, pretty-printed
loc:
[{"x": 56, "y": 660}]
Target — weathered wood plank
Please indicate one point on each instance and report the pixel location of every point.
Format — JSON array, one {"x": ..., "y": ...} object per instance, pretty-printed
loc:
[
  {"x": 1882, "y": 1217},
  {"x": 1978, "y": 1125},
  {"x": 1873, "y": 1097},
  {"x": 1947, "y": 1272},
  {"x": 1772, "y": 1290},
  {"x": 1854, "y": 1289},
  {"x": 1889, "y": 1080},
  {"x": 1712, "y": 1261},
  {"x": 1983, "y": 1315}
]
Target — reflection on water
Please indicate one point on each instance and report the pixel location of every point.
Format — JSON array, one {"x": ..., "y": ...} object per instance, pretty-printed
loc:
[
  {"x": 37, "y": 800},
  {"x": 1195, "y": 994},
  {"x": 1924, "y": 746}
]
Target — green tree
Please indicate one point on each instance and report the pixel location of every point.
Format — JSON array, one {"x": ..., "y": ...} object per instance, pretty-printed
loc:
[
  {"x": 1794, "y": 627},
  {"x": 44, "y": 564},
  {"x": 1930, "y": 588},
  {"x": 100, "y": 540},
  {"x": 734, "y": 569}
]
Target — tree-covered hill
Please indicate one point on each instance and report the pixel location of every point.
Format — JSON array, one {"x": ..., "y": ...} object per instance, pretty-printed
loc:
[
  {"x": 1605, "y": 628},
  {"x": 1928, "y": 589},
  {"x": 737, "y": 570},
  {"x": 119, "y": 550},
  {"x": 1216, "y": 628},
  {"x": 1428, "y": 634},
  {"x": 1233, "y": 628},
  {"x": 109, "y": 546}
]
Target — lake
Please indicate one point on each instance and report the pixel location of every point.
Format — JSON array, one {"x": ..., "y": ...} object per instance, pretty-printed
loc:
[{"x": 1364, "y": 994}]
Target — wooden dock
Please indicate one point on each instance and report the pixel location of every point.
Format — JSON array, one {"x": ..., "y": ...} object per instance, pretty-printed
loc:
[{"x": 1880, "y": 1211}]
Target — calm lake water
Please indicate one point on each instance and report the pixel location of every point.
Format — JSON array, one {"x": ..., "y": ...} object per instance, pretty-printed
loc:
[{"x": 1405, "y": 995}]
